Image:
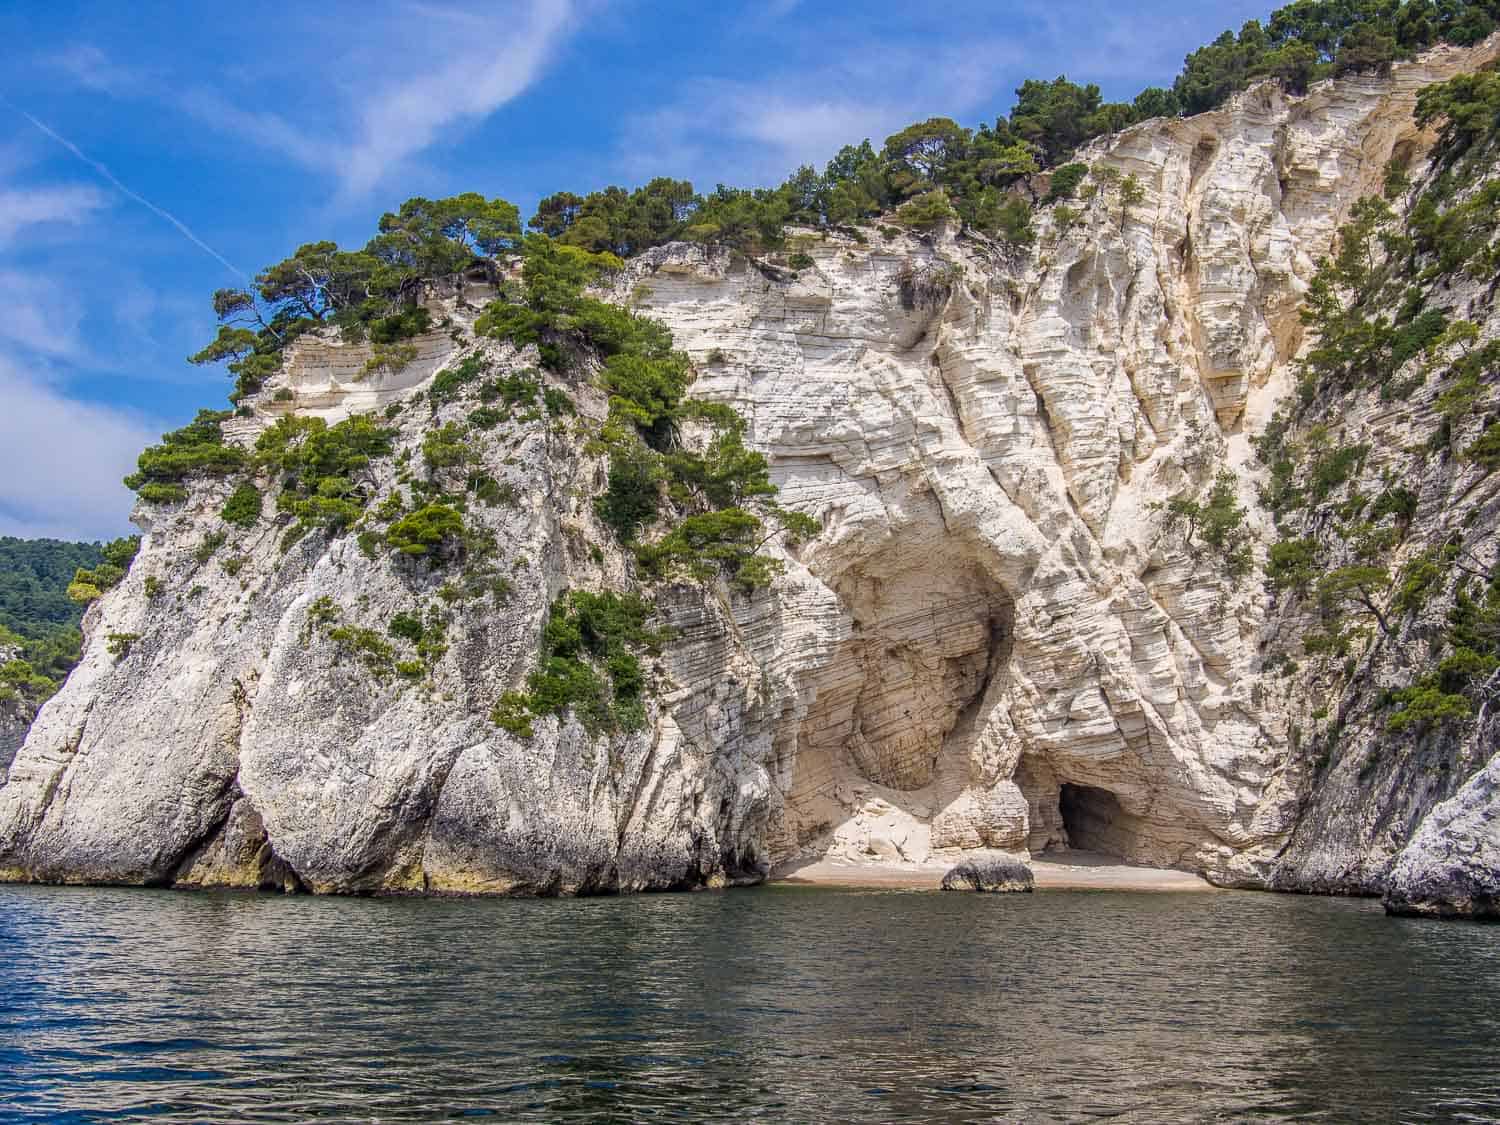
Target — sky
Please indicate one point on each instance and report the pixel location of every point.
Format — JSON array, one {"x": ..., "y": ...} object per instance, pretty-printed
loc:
[{"x": 151, "y": 153}]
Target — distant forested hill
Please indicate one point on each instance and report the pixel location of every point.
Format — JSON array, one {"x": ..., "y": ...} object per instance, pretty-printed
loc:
[
  {"x": 34, "y": 577},
  {"x": 37, "y": 616}
]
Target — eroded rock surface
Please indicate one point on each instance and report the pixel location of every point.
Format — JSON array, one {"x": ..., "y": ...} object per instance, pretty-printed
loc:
[{"x": 1451, "y": 867}]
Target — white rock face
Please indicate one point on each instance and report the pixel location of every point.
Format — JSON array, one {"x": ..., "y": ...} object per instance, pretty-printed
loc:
[
  {"x": 995, "y": 642},
  {"x": 1451, "y": 867}
]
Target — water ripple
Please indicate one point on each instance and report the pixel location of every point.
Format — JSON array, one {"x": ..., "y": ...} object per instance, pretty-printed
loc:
[{"x": 781, "y": 1004}]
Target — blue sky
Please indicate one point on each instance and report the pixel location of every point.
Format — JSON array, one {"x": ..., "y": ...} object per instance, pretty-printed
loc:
[{"x": 152, "y": 152}]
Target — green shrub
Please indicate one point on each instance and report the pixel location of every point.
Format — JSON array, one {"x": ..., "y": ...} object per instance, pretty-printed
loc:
[
  {"x": 1398, "y": 501},
  {"x": 446, "y": 447},
  {"x": 630, "y": 502},
  {"x": 324, "y": 478},
  {"x": 89, "y": 584},
  {"x": 411, "y": 321},
  {"x": 1425, "y": 704},
  {"x": 1485, "y": 449},
  {"x": 800, "y": 261},
  {"x": 557, "y": 402},
  {"x": 407, "y": 626},
  {"x": 517, "y": 388},
  {"x": 589, "y": 664},
  {"x": 927, "y": 209},
  {"x": 373, "y": 650},
  {"x": 1065, "y": 217},
  {"x": 1013, "y": 222},
  {"x": 19, "y": 680},
  {"x": 243, "y": 506},
  {"x": 1218, "y": 521},
  {"x": 1333, "y": 468},
  {"x": 712, "y": 543},
  {"x": 389, "y": 358},
  {"x": 449, "y": 383},
  {"x": 292, "y": 535},
  {"x": 512, "y": 713},
  {"x": 430, "y": 531},
  {"x": 487, "y": 490},
  {"x": 211, "y": 543},
  {"x": 1065, "y": 181},
  {"x": 198, "y": 449},
  {"x": 486, "y": 417},
  {"x": 646, "y": 391},
  {"x": 1417, "y": 336},
  {"x": 1355, "y": 587}
]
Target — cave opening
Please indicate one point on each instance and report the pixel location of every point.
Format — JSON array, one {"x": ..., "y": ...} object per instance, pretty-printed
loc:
[{"x": 1093, "y": 820}]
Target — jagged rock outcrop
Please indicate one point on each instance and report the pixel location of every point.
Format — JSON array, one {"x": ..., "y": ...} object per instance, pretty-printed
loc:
[
  {"x": 995, "y": 642},
  {"x": 1451, "y": 867}
]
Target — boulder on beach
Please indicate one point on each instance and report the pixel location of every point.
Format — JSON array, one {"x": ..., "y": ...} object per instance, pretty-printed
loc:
[{"x": 989, "y": 876}]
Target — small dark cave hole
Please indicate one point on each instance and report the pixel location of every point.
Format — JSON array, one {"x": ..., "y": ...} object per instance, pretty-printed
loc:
[{"x": 1092, "y": 819}]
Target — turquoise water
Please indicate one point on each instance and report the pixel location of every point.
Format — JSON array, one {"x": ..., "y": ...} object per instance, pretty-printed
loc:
[{"x": 776, "y": 1004}]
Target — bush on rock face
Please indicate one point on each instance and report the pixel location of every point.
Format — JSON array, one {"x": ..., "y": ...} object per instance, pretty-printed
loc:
[
  {"x": 989, "y": 876},
  {"x": 426, "y": 531}
]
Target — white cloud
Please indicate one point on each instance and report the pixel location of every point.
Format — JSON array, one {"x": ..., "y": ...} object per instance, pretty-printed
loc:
[
  {"x": 260, "y": 127},
  {"x": 71, "y": 204},
  {"x": 61, "y": 460},
  {"x": 61, "y": 457},
  {"x": 461, "y": 85},
  {"x": 40, "y": 315},
  {"x": 90, "y": 68},
  {"x": 412, "y": 74}
]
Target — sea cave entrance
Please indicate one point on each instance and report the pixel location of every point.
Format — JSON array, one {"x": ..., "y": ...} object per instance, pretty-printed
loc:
[{"x": 1094, "y": 820}]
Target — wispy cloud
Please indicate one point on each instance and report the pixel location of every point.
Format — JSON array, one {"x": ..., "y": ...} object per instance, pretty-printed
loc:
[
  {"x": 136, "y": 197},
  {"x": 40, "y": 318},
  {"x": 61, "y": 458},
  {"x": 470, "y": 84},
  {"x": 65, "y": 204},
  {"x": 88, "y": 67},
  {"x": 262, "y": 128},
  {"x": 419, "y": 74},
  {"x": 80, "y": 449}
]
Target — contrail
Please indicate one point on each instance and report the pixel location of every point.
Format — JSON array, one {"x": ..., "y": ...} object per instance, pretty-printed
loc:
[{"x": 125, "y": 191}]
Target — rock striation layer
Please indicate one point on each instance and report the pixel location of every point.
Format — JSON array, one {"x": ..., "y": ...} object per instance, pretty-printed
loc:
[{"x": 996, "y": 642}]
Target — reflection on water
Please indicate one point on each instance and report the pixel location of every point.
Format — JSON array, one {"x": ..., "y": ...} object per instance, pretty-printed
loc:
[{"x": 779, "y": 1004}]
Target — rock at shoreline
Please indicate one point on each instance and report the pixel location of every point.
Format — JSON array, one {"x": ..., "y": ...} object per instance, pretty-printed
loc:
[
  {"x": 1451, "y": 868},
  {"x": 990, "y": 876}
]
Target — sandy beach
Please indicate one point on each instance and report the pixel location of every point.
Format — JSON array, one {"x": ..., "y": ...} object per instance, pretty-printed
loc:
[{"x": 1054, "y": 871}]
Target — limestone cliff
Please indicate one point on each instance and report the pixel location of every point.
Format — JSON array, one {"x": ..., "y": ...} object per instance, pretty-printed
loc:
[{"x": 998, "y": 641}]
